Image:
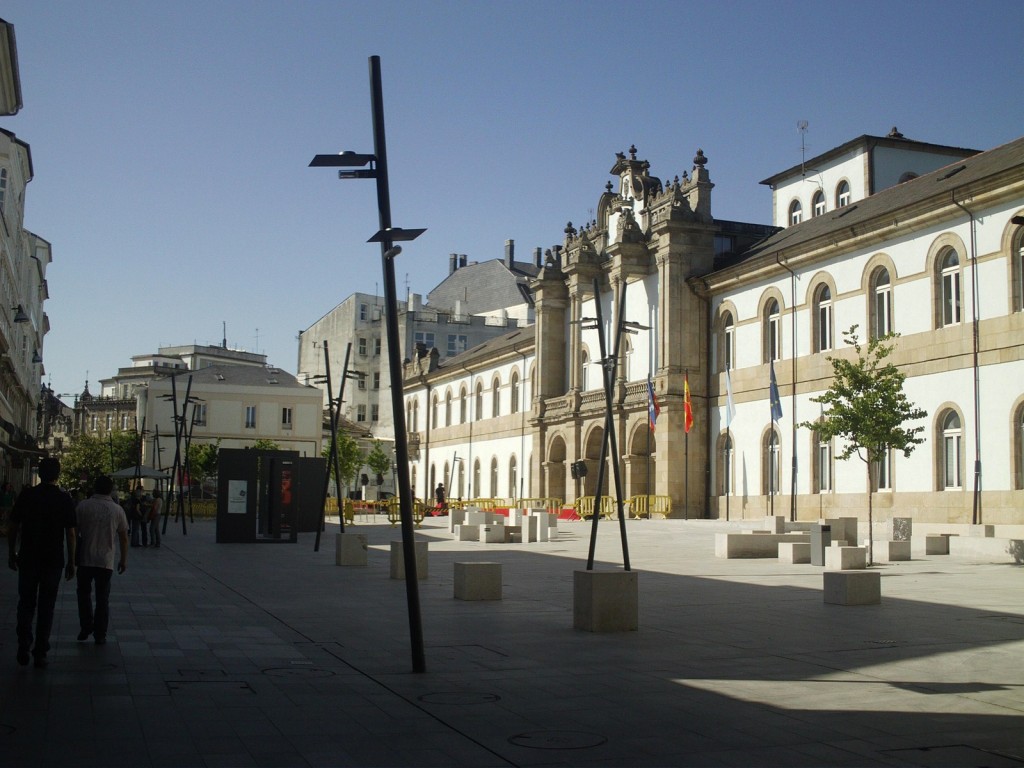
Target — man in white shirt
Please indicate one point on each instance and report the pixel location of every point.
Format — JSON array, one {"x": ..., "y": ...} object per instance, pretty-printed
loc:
[{"x": 101, "y": 522}]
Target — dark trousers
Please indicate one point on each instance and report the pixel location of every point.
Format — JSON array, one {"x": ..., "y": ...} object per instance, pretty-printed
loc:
[
  {"x": 90, "y": 621},
  {"x": 37, "y": 595},
  {"x": 139, "y": 532}
]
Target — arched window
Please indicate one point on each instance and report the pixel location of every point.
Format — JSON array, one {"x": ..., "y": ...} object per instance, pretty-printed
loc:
[
  {"x": 770, "y": 470},
  {"x": 478, "y": 405},
  {"x": 881, "y": 303},
  {"x": 433, "y": 413},
  {"x": 494, "y": 477},
  {"x": 949, "y": 287},
  {"x": 448, "y": 408},
  {"x": 728, "y": 341},
  {"x": 461, "y": 484},
  {"x": 514, "y": 391},
  {"x": 513, "y": 479},
  {"x": 842, "y": 194},
  {"x": 585, "y": 373},
  {"x": 772, "y": 331},
  {"x": 818, "y": 203},
  {"x": 822, "y": 464},
  {"x": 1018, "y": 449},
  {"x": 951, "y": 441},
  {"x": 463, "y": 405},
  {"x": 476, "y": 479},
  {"x": 495, "y": 400},
  {"x": 822, "y": 319},
  {"x": 1017, "y": 269},
  {"x": 796, "y": 212},
  {"x": 415, "y": 415}
]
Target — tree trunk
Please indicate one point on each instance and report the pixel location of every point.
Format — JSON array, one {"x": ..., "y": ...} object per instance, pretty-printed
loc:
[{"x": 872, "y": 470}]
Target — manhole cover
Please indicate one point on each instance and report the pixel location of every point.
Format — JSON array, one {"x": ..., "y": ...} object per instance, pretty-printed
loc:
[
  {"x": 297, "y": 672},
  {"x": 557, "y": 740},
  {"x": 459, "y": 698}
]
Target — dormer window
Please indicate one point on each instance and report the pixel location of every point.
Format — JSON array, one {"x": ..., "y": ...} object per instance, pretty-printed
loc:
[
  {"x": 796, "y": 213},
  {"x": 818, "y": 203},
  {"x": 843, "y": 194}
]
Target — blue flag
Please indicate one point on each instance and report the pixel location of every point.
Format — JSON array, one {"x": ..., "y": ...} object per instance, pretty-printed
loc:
[{"x": 773, "y": 395}]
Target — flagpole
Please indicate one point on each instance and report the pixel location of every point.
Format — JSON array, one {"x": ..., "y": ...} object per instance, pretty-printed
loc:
[{"x": 686, "y": 447}]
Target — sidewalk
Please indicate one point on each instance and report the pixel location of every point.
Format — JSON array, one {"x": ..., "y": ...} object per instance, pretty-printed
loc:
[{"x": 271, "y": 655}]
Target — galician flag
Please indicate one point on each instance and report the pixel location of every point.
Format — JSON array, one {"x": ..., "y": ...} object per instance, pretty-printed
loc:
[
  {"x": 653, "y": 409},
  {"x": 687, "y": 406}
]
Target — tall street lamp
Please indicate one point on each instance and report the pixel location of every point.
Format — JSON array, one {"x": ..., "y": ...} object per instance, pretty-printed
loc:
[{"x": 388, "y": 236}]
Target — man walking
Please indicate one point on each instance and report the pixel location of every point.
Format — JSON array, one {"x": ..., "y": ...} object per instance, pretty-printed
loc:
[
  {"x": 101, "y": 521},
  {"x": 44, "y": 516}
]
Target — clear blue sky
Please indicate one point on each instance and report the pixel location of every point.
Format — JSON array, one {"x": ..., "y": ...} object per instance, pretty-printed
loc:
[{"x": 170, "y": 141}]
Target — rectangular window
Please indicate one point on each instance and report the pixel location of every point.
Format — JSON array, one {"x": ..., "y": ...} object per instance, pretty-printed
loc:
[
  {"x": 376, "y": 346},
  {"x": 883, "y": 473},
  {"x": 362, "y": 346},
  {"x": 361, "y": 383},
  {"x": 376, "y": 379},
  {"x": 824, "y": 467},
  {"x": 286, "y": 418},
  {"x": 360, "y": 413},
  {"x": 374, "y": 413},
  {"x": 363, "y": 311},
  {"x": 774, "y": 348},
  {"x": 199, "y": 414},
  {"x": 456, "y": 344},
  {"x": 250, "y": 417},
  {"x": 883, "y": 312},
  {"x": 424, "y": 337},
  {"x": 729, "y": 340},
  {"x": 950, "y": 298},
  {"x": 124, "y": 421},
  {"x": 110, "y": 421},
  {"x": 824, "y": 327},
  {"x": 94, "y": 422}
]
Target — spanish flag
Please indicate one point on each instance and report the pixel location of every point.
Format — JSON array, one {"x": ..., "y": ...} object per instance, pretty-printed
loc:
[
  {"x": 653, "y": 409},
  {"x": 687, "y": 406}
]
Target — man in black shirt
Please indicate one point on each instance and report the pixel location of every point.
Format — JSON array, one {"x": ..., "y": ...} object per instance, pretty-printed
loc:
[{"x": 44, "y": 516}]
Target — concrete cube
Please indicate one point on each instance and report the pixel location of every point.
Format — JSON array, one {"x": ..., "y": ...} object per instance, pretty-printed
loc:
[
  {"x": 936, "y": 545},
  {"x": 478, "y": 581},
  {"x": 775, "y": 524},
  {"x": 902, "y": 528},
  {"x": 606, "y": 601},
  {"x": 466, "y": 532},
  {"x": 350, "y": 549},
  {"x": 892, "y": 551},
  {"x": 846, "y": 558},
  {"x": 492, "y": 534},
  {"x": 794, "y": 552},
  {"x": 852, "y": 587},
  {"x": 398, "y": 560},
  {"x": 843, "y": 528}
]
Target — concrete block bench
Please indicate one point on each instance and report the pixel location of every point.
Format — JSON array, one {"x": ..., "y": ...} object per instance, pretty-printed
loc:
[
  {"x": 398, "y": 560},
  {"x": 606, "y": 601},
  {"x": 491, "y": 534},
  {"x": 466, "y": 532},
  {"x": 478, "y": 581},
  {"x": 794, "y": 552},
  {"x": 892, "y": 551},
  {"x": 937, "y": 544},
  {"x": 846, "y": 558},
  {"x": 852, "y": 587},
  {"x": 754, "y": 544}
]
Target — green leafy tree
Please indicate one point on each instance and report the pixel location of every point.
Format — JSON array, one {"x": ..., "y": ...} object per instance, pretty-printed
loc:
[
  {"x": 263, "y": 444},
  {"x": 202, "y": 459},
  {"x": 378, "y": 459},
  {"x": 866, "y": 407},
  {"x": 88, "y": 456},
  {"x": 350, "y": 459}
]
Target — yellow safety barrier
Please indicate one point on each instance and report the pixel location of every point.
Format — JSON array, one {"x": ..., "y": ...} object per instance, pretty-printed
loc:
[{"x": 646, "y": 506}]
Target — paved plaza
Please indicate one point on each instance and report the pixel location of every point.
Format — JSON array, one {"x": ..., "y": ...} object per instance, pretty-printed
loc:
[{"x": 272, "y": 655}]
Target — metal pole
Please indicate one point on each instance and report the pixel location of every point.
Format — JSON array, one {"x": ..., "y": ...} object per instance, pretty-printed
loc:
[
  {"x": 395, "y": 369},
  {"x": 331, "y": 454}
]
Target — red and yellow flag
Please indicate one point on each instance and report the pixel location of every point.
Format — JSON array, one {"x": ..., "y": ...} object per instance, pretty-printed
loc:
[{"x": 687, "y": 406}]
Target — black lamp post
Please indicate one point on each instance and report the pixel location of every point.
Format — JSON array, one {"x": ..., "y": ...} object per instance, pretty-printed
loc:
[{"x": 388, "y": 237}]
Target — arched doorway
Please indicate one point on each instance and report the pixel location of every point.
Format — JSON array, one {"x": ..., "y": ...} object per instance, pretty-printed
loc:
[{"x": 554, "y": 469}]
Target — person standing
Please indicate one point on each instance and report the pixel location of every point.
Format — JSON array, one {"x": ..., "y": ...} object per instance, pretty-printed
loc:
[
  {"x": 133, "y": 509},
  {"x": 441, "y": 500},
  {"x": 101, "y": 522},
  {"x": 42, "y": 523},
  {"x": 155, "y": 510}
]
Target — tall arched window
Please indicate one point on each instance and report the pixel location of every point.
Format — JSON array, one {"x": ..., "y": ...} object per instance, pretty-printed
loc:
[
  {"x": 448, "y": 408},
  {"x": 495, "y": 400},
  {"x": 433, "y": 413},
  {"x": 822, "y": 464},
  {"x": 415, "y": 415},
  {"x": 822, "y": 319},
  {"x": 494, "y": 477},
  {"x": 478, "y": 405},
  {"x": 728, "y": 341},
  {"x": 476, "y": 479},
  {"x": 842, "y": 194},
  {"x": 949, "y": 287},
  {"x": 463, "y": 406},
  {"x": 513, "y": 478},
  {"x": 881, "y": 303},
  {"x": 796, "y": 212},
  {"x": 585, "y": 371},
  {"x": 514, "y": 392},
  {"x": 952, "y": 458},
  {"x": 1017, "y": 269},
  {"x": 818, "y": 203},
  {"x": 1018, "y": 449},
  {"x": 772, "y": 331}
]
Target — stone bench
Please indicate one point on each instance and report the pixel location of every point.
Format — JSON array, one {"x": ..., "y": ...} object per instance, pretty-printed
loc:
[
  {"x": 491, "y": 534},
  {"x": 478, "y": 581},
  {"x": 852, "y": 587},
  {"x": 753, "y": 544},
  {"x": 937, "y": 544},
  {"x": 892, "y": 551},
  {"x": 794, "y": 552},
  {"x": 846, "y": 558},
  {"x": 398, "y": 560}
]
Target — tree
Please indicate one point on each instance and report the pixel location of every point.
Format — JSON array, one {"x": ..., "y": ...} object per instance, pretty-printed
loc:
[
  {"x": 202, "y": 460},
  {"x": 866, "y": 407},
  {"x": 88, "y": 456},
  {"x": 378, "y": 460},
  {"x": 264, "y": 444},
  {"x": 350, "y": 459}
]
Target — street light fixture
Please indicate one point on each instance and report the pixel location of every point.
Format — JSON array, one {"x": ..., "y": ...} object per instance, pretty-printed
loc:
[{"x": 387, "y": 236}]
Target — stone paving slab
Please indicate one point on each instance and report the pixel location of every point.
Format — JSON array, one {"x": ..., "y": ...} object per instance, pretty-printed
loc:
[{"x": 252, "y": 654}]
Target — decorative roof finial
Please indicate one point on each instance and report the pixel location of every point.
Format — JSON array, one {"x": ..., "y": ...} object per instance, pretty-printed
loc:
[
  {"x": 699, "y": 159},
  {"x": 632, "y": 152}
]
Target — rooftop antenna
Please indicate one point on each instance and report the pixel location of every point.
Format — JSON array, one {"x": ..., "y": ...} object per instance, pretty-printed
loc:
[
  {"x": 257, "y": 341},
  {"x": 801, "y": 125},
  {"x": 224, "y": 341}
]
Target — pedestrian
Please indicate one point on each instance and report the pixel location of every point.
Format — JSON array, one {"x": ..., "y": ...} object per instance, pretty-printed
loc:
[
  {"x": 101, "y": 522},
  {"x": 42, "y": 523},
  {"x": 133, "y": 509},
  {"x": 442, "y": 502},
  {"x": 6, "y": 502},
  {"x": 155, "y": 510}
]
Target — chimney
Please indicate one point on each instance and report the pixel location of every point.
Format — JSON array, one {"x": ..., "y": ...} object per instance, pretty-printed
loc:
[
  {"x": 453, "y": 263},
  {"x": 538, "y": 259},
  {"x": 510, "y": 252},
  {"x": 463, "y": 260}
]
